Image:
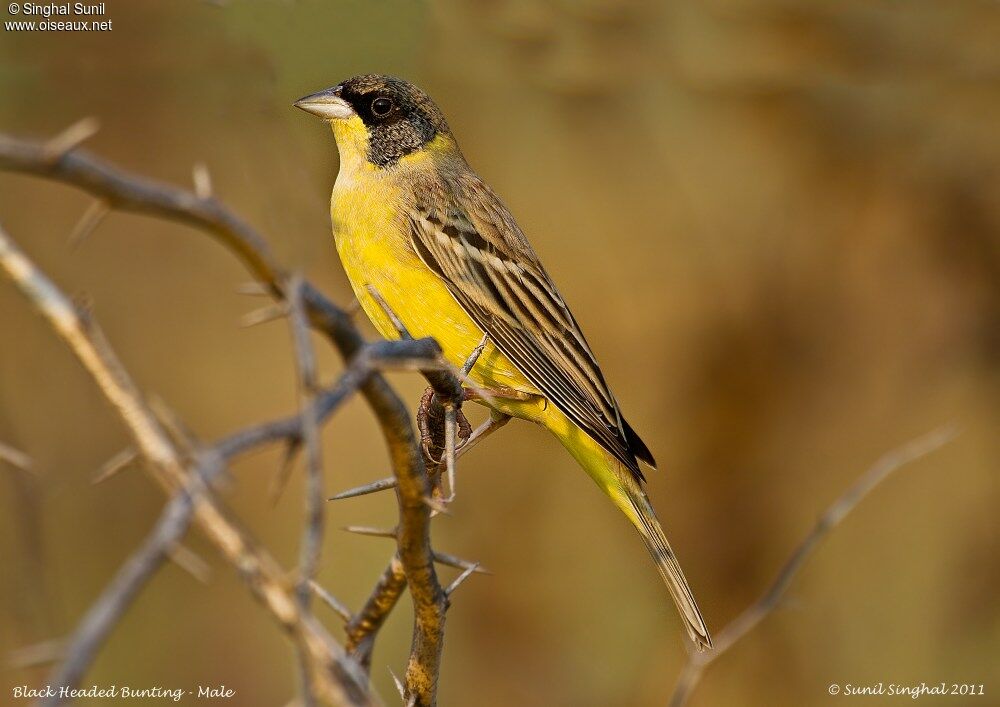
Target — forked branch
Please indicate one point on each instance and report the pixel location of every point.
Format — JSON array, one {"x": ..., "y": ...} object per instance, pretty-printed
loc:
[{"x": 838, "y": 510}]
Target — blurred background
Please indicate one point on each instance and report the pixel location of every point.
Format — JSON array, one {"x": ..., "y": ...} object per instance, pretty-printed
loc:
[{"x": 776, "y": 220}]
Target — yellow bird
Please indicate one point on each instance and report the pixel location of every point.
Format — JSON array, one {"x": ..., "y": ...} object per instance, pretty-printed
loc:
[{"x": 412, "y": 220}]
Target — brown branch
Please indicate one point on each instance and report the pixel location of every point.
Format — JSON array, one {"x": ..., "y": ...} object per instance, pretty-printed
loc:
[
  {"x": 119, "y": 462},
  {"x": 364, "y": 626},
  {"x": 333, "y": 602},
  {"x": 15, "y": 457},
  {"x": 363, "y": 365},
  {"x": 491, "y": 425},
  {"x": 834, "y": 514},
  {"x": 118, "y": 596},
  {"x": 336, "y": 676},
  {"x": 312, "y": 534},
  {"x": 127, "y": 192}
]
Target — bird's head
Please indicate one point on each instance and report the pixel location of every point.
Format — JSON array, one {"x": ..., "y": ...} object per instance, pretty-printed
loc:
[{"x": 380, "y": 118}]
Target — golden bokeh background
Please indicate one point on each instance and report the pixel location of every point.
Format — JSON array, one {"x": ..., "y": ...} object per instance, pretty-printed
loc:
[{"x": 776, "y": 220}]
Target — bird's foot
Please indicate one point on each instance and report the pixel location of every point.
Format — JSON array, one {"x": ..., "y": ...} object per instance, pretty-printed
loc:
[{"x": 444, "y": 429}]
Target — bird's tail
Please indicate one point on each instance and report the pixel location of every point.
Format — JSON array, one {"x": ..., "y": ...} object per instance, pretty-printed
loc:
[{"x": 624, "y": 490}]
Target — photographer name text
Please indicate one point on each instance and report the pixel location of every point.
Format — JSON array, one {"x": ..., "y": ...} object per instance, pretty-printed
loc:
[
  {"x": 913, "y": 691},
  {"x": 48, "y": 17},
  {"x": 66, "y": 9}
]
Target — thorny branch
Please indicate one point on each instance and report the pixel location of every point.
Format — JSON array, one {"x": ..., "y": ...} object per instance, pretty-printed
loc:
[
  {"x": 312, "y": 532},
  {"x": 753, "y": 615},
  {"x": 118, "y": 596},
  {"x": 332, "y": 675},
  {"x": 336, "y": 677}
]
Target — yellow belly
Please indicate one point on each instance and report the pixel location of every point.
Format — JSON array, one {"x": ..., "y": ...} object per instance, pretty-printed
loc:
[{"x": 375, "y": 250}]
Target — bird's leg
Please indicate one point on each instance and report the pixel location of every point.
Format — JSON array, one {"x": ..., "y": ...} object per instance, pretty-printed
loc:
[
  {"x": 495, "y": 421},
  {"x": 438, "y": 433},
  {"x": 456, "y": 425},
  {"x": 500, "y": 392},
  {"x": 445, "y": 432}
]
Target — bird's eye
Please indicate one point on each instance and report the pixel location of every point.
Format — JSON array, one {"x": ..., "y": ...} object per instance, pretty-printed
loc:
[{"x": 381, "y": 107}]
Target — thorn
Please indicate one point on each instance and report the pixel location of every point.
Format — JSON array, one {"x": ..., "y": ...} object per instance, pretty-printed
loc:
[
  {"x": 305, "y": 357},
  {"x": 91, "y": 219},
  {"x": 15, "y": 457},
  {"x": 374, "y": 487},
  {"x": 172, "y": 422},
  {"x": 415, "y": 363},
  {"x": 189, "y": 561},
  {"x": 399, "y": 685},
  {"x": 458, "y": 563},
  {"x": 70, "y": 138},
  {"x": 450, "y": 423},
  {"x": 396, "y": 321},
  {"x": 436, "y": 505},
  {"x": 253, "y": 289},
  {"x": 115, "y": 464},
  {"x": 202, "y": 180},
  {"x": 495, "y": 421},
  {"x": 474, "y": 356},
  {"x": 460, "y": 579},
  {"x": 37, "y": 654},
  {"x": 264, "y": 315},
  {"x": 373, "y": 532},
  {"x": 333, "y": 602},
  {"x": 280, "y": 480}
]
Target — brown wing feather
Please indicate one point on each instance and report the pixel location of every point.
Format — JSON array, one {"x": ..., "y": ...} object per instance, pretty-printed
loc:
[{"x": 475, "y": 246}]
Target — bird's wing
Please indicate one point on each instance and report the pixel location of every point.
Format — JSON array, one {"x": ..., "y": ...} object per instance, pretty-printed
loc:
[{"x": 465, "y": 234}]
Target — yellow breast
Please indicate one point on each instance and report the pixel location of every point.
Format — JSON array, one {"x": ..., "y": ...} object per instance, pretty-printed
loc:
[{"x": 370, "y": 228}]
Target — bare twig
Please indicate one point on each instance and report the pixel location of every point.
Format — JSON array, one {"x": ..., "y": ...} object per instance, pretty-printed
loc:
[
  {"x": 189, "y": 561},
  {"x": 59, "y": 161},
  {"x": 119, "y": 594},
  {"x": 381, "y": 485},
  {"x": 474, "y": 356},
  {"x": 371, "y": 532},
  {"x": 397, "y": 323},
  {"x": 43, "y": 653},
  {"x": 312, "y": 534},
  {"x": 333, "y": 602},
  {"x": 363, "y": 628},
  {"x": 15, "y": 457},
  {"x": 70, "y": 138},
  {"x": 398, "y": 684},
  {"x": 460, "y": 579},
  {"x": 114, "y": 465},
  {"x": 269, "y": 313},
  {"x": 494, "y": 422},
  {"x": 745, "y": 622},
  {"x": 128, "y": 192},
  {"x": 202, "y": 180},
  {"x": 91, "y": 219},
  {"x": 337, "y": 677},
  {"x": 284, "y": 473},
  {"x": 444, "y": 558},
  {"x": 253, "y": 289},
  {"x": 450, "y": 426}
]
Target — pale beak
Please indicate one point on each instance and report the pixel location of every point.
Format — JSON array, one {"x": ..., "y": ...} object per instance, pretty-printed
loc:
[{"x": 327, "y": 104}]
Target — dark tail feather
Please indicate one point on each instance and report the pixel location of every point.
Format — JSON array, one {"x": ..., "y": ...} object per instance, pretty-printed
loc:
[
  {"x": 670, "y": 569},
  {"x": 638, "y": 447}
]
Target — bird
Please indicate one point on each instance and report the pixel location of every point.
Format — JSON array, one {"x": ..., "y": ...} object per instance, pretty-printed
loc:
[{"x": 428, "y": 245}]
